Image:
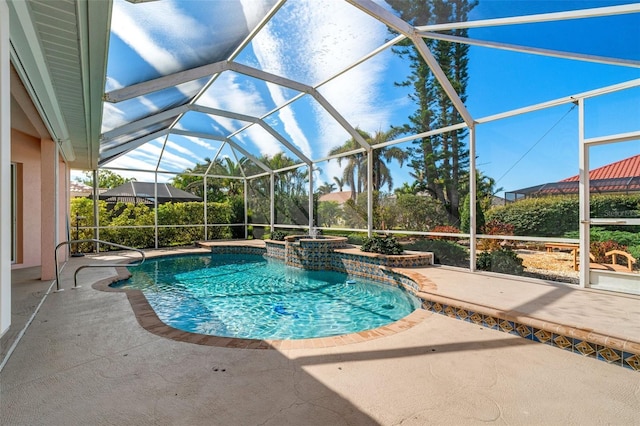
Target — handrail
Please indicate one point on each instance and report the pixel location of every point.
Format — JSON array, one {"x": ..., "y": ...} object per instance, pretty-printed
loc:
[{"x": 96, "y": 265}]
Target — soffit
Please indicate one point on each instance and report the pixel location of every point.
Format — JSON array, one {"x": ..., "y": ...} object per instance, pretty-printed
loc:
[{"x": 59, "y": 51}]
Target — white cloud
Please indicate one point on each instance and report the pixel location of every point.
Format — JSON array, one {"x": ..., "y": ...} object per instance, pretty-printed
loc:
[
  {"x": 112, "y": 84},
  {"x": 131, "y": 163},
  {"x": 131, "y": 24},
  {"x": 112, "y": 117},
  {"x": 330, "y": 39},
  {"x": 252, "y": 11},
  {"x": 269, "y": 51},
  {"x": 229, "y": 93},
  {"x": 148, "y": 103},
  {"x": 256, "y": 135},
  {"x": 232, "y": 92},
  {"x": 181, "y": 150},
  {"x": 201, "y": 142},
  {"x": 175, "y": 162}
]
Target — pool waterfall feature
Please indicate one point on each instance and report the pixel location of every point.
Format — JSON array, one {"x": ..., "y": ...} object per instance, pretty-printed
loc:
[
  {"x": 323, "y": 252},
  {"x": 309, "y": 251}
]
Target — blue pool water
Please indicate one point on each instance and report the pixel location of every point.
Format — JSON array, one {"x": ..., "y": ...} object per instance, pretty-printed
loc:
[{"x": 249, "y": 296}]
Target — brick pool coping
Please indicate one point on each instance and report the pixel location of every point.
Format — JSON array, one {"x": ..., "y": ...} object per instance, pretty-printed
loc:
[
  {"x": 589, "y": 343},
  {"x": 148, "y": 319}
]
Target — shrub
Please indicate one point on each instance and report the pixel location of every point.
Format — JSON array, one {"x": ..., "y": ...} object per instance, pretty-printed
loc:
[
  {"x": 504, "y": 261},
  {"x": 635, "y": 252},
  {"x": 278, "y": 235},
  {"x": 356, "y": 238},
  {"x": 448, "y": 229},
  {"x": 548, "y": 216},
  {"x": 494, "y": 227},
  {"x": 599, "y": 248},
  {"x": 419, "y": 213},
  {"x": 625, "y": 238},
  {"x": 555, "y": 216},
  {"x": 465, "y": 215},
  {"x": 444, "y": 252},
  {"x": 236, "y": 215},
  {"x": 386, "y": 244}
]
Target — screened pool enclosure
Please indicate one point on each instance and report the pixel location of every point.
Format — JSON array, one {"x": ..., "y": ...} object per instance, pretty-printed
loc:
[{"x": 421, "y": 116}]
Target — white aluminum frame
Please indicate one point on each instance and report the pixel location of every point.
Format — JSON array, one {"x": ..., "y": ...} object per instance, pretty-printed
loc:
[{"x": 416, "y": 35}]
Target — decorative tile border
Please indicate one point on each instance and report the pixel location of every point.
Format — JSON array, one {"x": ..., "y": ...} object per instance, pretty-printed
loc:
[
  {"x": 238, "y": 250},
  {"x": 590, "y": 344}
]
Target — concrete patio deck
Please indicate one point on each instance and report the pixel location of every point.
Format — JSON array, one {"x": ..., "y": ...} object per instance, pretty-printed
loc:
[{"x": 85, "y": 360}]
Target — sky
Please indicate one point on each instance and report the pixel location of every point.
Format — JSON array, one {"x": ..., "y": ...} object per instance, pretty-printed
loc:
[{"x": 309, "y": 41}]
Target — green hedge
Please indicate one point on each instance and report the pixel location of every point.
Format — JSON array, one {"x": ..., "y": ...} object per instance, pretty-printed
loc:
[
  {"x": 630, "y": 240},
  {"x": 129, "y": 217},
  {"x": 555, "y": 216},
  {"x": 445, "y": 252}
]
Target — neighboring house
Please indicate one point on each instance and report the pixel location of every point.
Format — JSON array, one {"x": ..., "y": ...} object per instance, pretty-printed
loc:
[
  {"x": 78, "y": 189},
  {"x": 621, "y": 177},
  {"x": 145, "y": 193},
  {"x": 337, "y": 197}
]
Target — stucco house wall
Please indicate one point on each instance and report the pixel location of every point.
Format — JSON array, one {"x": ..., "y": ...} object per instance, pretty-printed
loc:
[
  {"x": 25, "y": 153},
  {"x": 36, "y": 202}
]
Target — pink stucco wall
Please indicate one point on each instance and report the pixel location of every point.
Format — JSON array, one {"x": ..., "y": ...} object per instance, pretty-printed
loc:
[
  {"x": 37, "y": 202},
  {"x": 26, "y": 151}
]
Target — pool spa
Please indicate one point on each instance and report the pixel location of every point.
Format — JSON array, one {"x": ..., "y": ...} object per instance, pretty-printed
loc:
[{"x": 251, "y": 296}]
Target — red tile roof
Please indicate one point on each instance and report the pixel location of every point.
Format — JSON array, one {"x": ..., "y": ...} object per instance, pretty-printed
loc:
[
  {"x": 622, "y": 176},
  {"x": 629, "y": 167}
]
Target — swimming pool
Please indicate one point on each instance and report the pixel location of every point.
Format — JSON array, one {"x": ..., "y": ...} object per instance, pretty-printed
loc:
[{"x": 250, "y": 296}]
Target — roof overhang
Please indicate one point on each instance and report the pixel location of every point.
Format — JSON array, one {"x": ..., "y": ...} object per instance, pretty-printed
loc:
[{"x": 59, "y": 51}]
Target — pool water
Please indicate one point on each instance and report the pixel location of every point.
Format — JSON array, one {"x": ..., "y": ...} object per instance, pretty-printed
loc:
[{"x": 250, "y": 296}]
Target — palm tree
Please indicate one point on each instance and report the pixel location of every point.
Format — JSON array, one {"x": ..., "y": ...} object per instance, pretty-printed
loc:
[
  {"x": 190, "y": 183},
  {"x": 355, "y": 171},
  {"x": 326, "y": 188},
  {"x": 230, "y": 168},
  {"x": 381, "y": 173},
  {"x": 351, "y": 174},
  {"x": 339, "y": 182}
]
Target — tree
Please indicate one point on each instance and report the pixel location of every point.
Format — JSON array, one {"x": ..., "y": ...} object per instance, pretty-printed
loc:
[
  {"x": 383, "y": 156},
  {"x": 440, "y": 161},
  {"x": 326, "y": 188},
  {"x": 339, "y": 182},
  {"x": 355, "y": 172},
  {"x": 192, "y": 179},
  {"x": 351, "y": 175},
  {"x": 106, "y": 179},
  {"x": 465, "y": 216},
  {"x": 485, "y": 189},
  {"x": 329, "y": 213},
  {"x": 291, "y": 191}
]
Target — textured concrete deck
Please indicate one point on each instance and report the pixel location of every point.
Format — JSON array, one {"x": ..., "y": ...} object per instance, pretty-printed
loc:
[{"x": 85, "y": 360}]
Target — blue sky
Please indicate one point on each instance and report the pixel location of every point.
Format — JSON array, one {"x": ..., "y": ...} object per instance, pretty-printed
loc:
[
  {"x": 311, "y": 40},
  {"x": 541, "y": 147}
]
